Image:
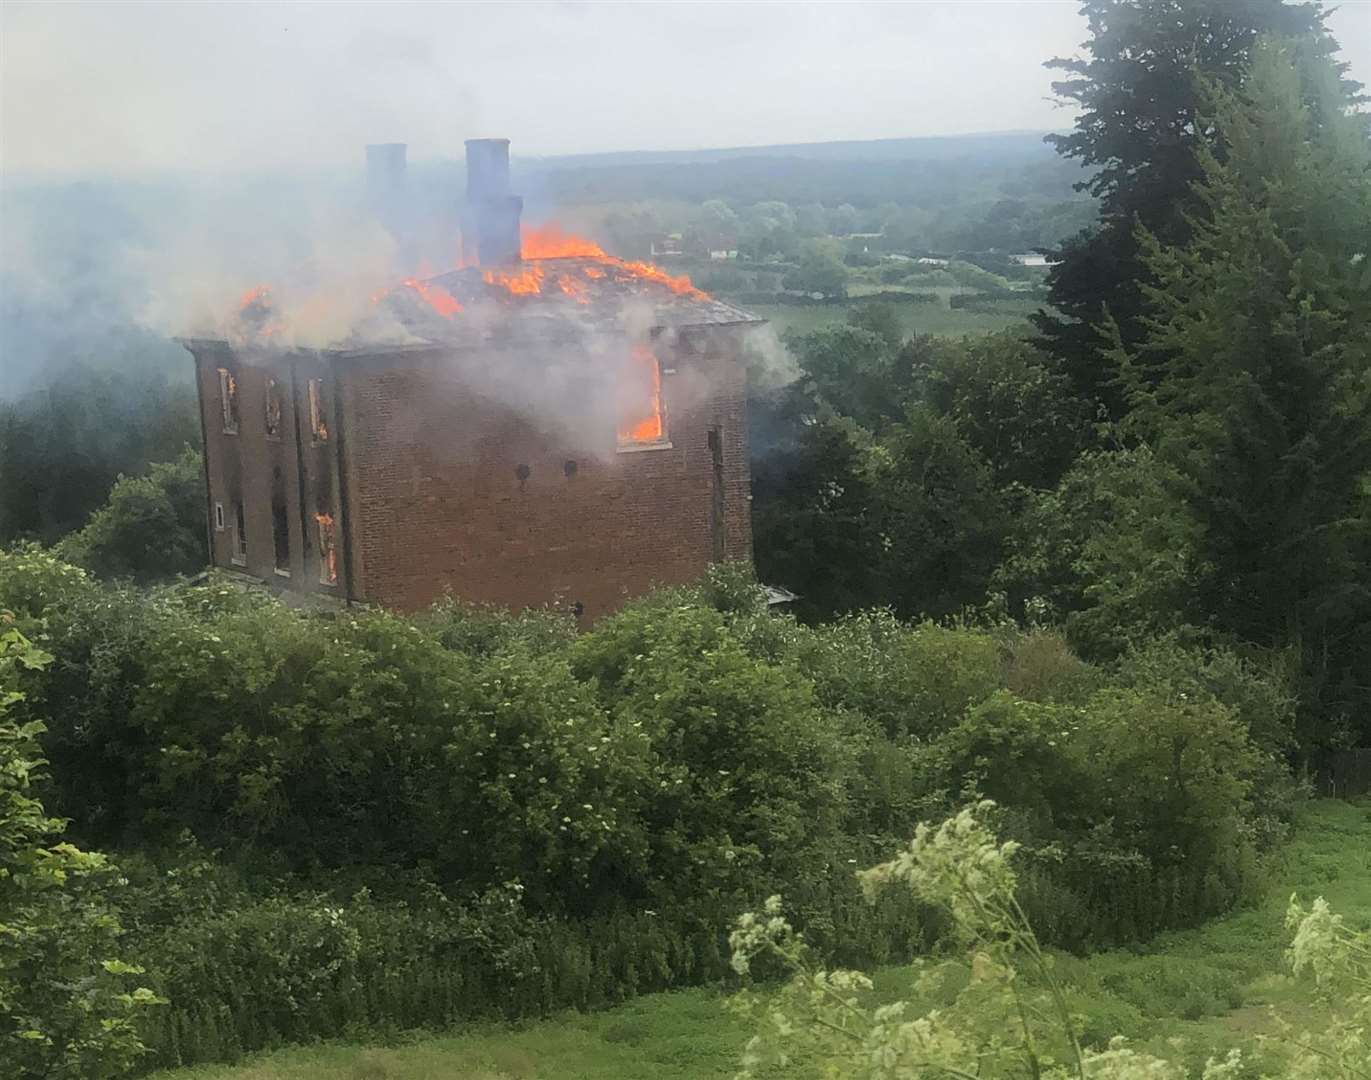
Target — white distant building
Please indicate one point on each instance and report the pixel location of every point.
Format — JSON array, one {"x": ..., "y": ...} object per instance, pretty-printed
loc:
[{"x": 1032, "y": 258}]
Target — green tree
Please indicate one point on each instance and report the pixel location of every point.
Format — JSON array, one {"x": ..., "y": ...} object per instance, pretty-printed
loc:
[
  {"x": 152, "y": 527},
  {"x": 1112, "y": 553},
  {"x": 65, "y": 1010},
  {"x": 1011, "y": 402},
  {"x": 883, "y": 320},
  {"x": 815, "y": 521},
  {"x": 63, "y": 446},
  {"x": 942, "y": 521},
  {"x": 819, "y": 271},
  {"x": 1140, "y": 128},
  {"x": 1254, "y": 379},
  {"x": 853, "y": 370}
]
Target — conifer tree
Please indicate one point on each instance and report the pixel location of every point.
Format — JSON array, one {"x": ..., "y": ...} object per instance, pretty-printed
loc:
[
  {"x": 1254, "y": 377},
  {"x": 1139, "y": 93}
]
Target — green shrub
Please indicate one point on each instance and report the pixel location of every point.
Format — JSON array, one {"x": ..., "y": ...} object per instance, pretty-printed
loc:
[
  {"x": 911, "y": 680},
  {"x": 152, "y": 527}
]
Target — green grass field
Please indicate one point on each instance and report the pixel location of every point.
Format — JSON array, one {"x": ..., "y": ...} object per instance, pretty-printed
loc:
[
  {"x": 1210, "y": 988},
  {"x": 939, "y": 318}
]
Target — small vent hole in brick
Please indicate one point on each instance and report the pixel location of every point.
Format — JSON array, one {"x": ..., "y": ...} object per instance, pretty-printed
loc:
[{"x": 569, "y": 468}]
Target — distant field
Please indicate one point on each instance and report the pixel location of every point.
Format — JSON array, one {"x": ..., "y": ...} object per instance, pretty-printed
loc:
[
  {"x": 1208, "y": 987},
  {"x": 918, "y": 318}
]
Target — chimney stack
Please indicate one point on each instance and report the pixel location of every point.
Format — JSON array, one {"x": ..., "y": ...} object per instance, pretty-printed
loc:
[{"x": 490, "y": 228}]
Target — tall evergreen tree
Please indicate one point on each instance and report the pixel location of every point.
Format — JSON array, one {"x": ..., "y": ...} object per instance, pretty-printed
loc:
[
  {"x": 1254, "y": 379},
  {"x": 1139, "y": 130}
]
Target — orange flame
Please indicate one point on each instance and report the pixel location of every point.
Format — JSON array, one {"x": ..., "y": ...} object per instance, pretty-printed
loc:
[
  {"x": 642, "y": 422},
  {"x": 573, "y": 288},
  {"x": 258, "y": 294},
  {"x": 526, "y": 281},
  {"x": 549, "y": 242},
  {"x": 438, "y": 298},
  {"x": 328, "y": 550}
]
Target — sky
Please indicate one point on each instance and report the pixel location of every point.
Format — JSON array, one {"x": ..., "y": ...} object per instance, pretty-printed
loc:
[{"x": 125, "y": 88}]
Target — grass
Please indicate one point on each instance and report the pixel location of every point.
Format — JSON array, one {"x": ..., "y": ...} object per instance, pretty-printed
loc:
[
  {"x": 1209, "y": 987},
  {"x": 939, "y": 318}
]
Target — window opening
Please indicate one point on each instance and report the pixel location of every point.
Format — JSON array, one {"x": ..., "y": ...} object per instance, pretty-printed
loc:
[
  {"x": 240, "y": 535},
  {"x": 328, "y": 549},
  {"x": 642, "y": 420},
  {"x": 218, "y": 517},
  {"x": 318, "y": 422},
  {"x": 228, "y": 400},
  {"x": 280, "y": 531},
  {"x": 273, "y": 417}
]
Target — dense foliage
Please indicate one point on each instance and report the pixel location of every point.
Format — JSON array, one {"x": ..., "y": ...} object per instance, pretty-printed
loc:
[
  {"x": 65, "y": 442},
  {"x": 67, "y": 1006},
  {"x": 368, "y": 820},
  {"x": 1142, "y": 129},
  {"x": 152, "y": 527},
  {"x": 1229, "y": 506}
]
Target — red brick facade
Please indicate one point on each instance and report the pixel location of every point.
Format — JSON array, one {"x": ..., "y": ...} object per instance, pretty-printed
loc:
[{"x": 435, "y": 487}]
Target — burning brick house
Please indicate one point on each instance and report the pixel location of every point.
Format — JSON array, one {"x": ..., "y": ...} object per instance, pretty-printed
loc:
[{"x": 550, "y": 426}]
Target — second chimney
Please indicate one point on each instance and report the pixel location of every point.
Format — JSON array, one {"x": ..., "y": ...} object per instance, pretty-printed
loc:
[{"x": 490, "y": 229}]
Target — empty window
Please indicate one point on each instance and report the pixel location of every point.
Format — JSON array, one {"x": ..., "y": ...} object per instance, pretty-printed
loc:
[
  {"x": 328, "y": 549},
  {"x": 642, "y": 420},
  {"x": 240, "y": 535},
  {"x": 228, "y": 400},
  {"x": 273, "y": 418},
  {"x": 318, "y": 422},
  {"x": 218, "y": 517},
  {"x": 280, "y": 535}
]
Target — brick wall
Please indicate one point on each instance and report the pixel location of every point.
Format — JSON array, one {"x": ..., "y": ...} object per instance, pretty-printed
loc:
[
  {"x": 451, "y": 489},
  {"x": 255, "y": 469}
]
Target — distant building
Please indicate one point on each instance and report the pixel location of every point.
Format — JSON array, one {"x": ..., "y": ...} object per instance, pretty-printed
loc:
[{"x": 669, "y": 244}]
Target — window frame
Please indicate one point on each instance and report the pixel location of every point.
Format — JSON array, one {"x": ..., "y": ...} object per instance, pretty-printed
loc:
[
  {"x": 238, "y": 553},
  {"x": 272, "y": 393},
  {"x": 228, "y": 401},
  {"x": 318, "y": 422},
  {"x": 219, "y": 521},
  {"x": 324, "y": 563},
  {"x": 664, "y": 441}
]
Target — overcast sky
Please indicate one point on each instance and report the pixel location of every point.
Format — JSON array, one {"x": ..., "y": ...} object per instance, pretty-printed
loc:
[{"x": 132, "y": 86}]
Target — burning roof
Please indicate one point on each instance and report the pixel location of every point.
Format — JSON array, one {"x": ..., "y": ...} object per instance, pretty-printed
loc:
[
  {"x": 514, "y": 282},
  {"x": 566, "y": 294}
]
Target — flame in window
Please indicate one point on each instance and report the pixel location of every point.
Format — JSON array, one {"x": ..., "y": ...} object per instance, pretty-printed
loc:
[
  {"x": 328, "y": 549},
  {"x": 641, "y": 398}
]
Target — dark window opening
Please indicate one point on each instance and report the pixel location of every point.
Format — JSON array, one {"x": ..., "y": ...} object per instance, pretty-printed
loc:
[
  {"x": 218, "y": 517},
  {"x": 273, "y": 412},
  {"x": 228, "y": 400},
  {"x": 240, "y": 535},
  {"x": 280, "y": 532},
  {"x": 318, "y": 420}
]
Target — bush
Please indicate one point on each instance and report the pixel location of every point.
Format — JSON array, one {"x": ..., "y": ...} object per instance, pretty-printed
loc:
[
  {"x": 69, "y": 1011},
  {"x": 152, "y": 527},
  {"x": 466, "y": 813}
]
